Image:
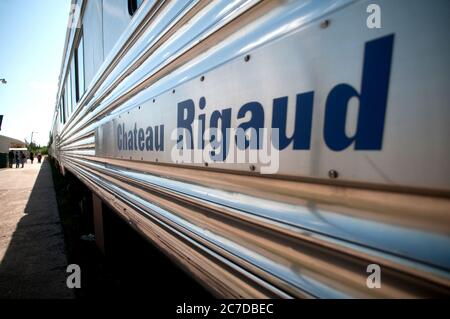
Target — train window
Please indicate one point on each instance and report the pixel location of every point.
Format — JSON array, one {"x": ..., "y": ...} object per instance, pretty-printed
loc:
[
  {"x": 73, "y": 82},
  {"x": 63, "y": 108},
  {"x": 79, "y": 61},
  {"x": 133, "y": 6},
  {"x": 60, "y": 112},
  {"x": 68, "y": 95}
]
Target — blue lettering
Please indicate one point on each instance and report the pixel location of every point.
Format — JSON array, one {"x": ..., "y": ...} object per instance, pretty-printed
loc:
[
  {"x": 225, "y": 118},
  {"x": 255, "y": 123},
  {"x": 159, "y": 138},
  {"x": 185, "y": 122},
  {"x": 141, "y": 139},
  {"x": 372, "y": 101},
  {"x": 149, "y": 139},
  {"x": 302, "y": 125},
  {"x": 119, "y": 137}
]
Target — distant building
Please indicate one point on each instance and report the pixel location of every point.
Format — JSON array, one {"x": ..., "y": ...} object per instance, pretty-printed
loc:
[{"x": 8, "y": 142}]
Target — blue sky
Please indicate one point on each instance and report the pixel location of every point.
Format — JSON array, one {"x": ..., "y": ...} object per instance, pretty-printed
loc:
[{"x": 32, "y": 34}]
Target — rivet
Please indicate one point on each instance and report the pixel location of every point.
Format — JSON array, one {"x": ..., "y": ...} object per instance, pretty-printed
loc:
[
  {"x": 325, "y": 24},
  {"x": 333, "y": 174}
]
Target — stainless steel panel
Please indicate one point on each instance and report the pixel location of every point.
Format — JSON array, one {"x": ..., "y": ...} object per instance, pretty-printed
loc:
[
  {"x": 296, "y": 258},
  {"x": 306, "y": 60},
  {"x": 253, "y": 235},
  {"x": 115, "y": 20},
  {"x": 93, "y": 39}
]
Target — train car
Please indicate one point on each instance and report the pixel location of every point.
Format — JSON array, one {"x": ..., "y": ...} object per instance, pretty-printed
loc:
[{"x": 272, "y": 149}]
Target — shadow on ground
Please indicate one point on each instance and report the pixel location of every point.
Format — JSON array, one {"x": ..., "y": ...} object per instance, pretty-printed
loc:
[{"x": 34, "y": 263}]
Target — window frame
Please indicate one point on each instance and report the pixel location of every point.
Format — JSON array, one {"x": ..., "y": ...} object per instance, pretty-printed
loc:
[
  {"x": 60, "y": 112},
  {"x": 63, "y": 107},
  {"x": 73, "y": 85},
  {"x": 68, "y": 93},
  {"x": 80, "y": 90},
  {"x": 134, "y": 5}
]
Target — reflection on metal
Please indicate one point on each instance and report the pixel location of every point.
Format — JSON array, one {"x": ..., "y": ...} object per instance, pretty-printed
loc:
[{"x": 310, "y": 231}]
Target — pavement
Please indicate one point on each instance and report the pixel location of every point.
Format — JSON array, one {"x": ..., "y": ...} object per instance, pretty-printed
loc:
[{"x": 33, "y": 262}]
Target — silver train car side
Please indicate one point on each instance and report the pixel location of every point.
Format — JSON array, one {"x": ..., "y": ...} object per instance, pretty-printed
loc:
[{"x": 356, "y": 185}]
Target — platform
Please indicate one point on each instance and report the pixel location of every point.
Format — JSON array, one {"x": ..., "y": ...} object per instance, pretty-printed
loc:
[{"x": 32, "y": 253}]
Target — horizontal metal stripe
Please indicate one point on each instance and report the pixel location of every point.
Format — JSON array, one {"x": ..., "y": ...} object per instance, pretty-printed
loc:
[
  {"x": 177, "y": 14},
  {"x": 195, "y": 63},
  {"x": 291, "y": 237},
  {"x": 319, "y": 220},
  {"x": 160, "y": 61},
  {"x": 396, "y": 208},
  {"x": 77, "y": 136},
  {"x": 266, "y": 289},
  {"x": 334, "y": 245},
  {"x": 136, "y": 26},
  {"x": 232, "y": 250},
  {"x": 379, "y": 205},
  {"x": 79, "y": 147},
  {"x": 90, "y": 152},
  {"x": 156, "y": 24},
  {"x": 84, "y": 141}
]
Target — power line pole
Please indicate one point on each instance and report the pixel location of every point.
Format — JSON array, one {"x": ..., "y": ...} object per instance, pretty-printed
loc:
[
  {"x": 2, "y": 81},
  {"x": 31, "y": 141}
]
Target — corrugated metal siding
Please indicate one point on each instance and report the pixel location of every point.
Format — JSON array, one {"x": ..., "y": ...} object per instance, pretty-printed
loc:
[{"x": 242, "y": 235}]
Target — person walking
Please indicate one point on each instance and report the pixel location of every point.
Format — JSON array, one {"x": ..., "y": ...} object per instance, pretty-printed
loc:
[
  {"x": 16, "y": 157},
  {"x": 31, "y": 157},
  {"x": 39, "y": 156},
  {"x": 11, "y": 158},
  {"x": 23, "y": 158}
]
